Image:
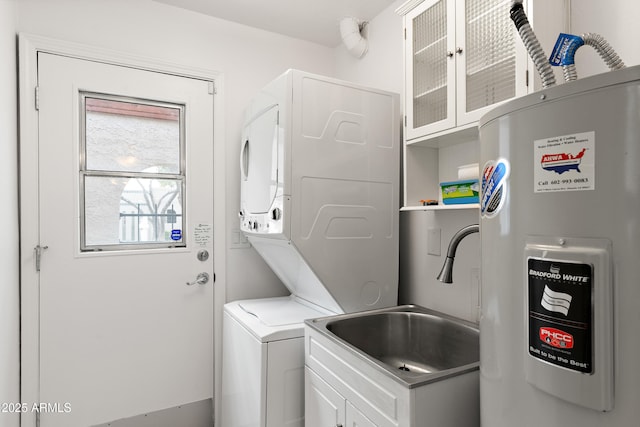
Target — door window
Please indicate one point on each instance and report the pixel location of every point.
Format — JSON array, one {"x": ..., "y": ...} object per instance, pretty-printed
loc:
[{"x": 132, "y": 173}]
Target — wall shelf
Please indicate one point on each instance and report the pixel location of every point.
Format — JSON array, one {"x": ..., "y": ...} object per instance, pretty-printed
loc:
[{"x": 440, "y": 207}]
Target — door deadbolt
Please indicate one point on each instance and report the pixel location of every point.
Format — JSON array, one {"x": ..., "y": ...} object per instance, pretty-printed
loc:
[{"x": 203, "y": 255}]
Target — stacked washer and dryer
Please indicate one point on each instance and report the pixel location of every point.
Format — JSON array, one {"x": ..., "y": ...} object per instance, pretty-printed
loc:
[{"x": 319, "y": 202}]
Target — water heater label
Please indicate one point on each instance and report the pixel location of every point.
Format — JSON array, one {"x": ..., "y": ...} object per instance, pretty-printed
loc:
[
  {"x": 564, "y": 163},
  {"x": 493, "y": 192},
  {"x": 560, "y": 313}
]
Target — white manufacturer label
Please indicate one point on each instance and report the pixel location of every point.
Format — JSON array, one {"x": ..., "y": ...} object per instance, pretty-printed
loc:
[{"x": 564, "y": 163}]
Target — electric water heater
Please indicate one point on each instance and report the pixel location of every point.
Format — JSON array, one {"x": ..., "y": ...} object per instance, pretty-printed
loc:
[{"x": 560, "y": 238}]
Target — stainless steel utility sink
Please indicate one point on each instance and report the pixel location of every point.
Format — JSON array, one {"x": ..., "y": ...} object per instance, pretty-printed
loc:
[{"x": 413, "y": 344}]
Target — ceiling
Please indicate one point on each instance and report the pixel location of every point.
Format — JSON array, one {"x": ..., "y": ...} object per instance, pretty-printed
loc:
[{"x": 313, "y": 20}]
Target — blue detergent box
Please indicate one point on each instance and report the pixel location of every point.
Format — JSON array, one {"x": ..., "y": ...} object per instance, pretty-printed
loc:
[{"x": 460, "y": 192}]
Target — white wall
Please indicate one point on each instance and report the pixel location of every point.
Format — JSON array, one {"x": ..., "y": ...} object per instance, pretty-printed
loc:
[
  {"x": 9, "y": 286},
  {"x": 382, "y": 66},
  {"x": 616, "y": 21}
]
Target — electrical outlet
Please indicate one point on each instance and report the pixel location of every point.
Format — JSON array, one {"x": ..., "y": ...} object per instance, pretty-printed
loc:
[
  {"x": 433, "y": 241},
  {"x": 239, "y": 240}
]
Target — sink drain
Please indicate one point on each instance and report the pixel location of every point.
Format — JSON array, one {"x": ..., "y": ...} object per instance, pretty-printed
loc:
[{"x": 404, "y": 368}]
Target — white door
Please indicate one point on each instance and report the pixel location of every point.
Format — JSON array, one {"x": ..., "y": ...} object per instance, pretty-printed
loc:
[{"x": 125, "y": 206}]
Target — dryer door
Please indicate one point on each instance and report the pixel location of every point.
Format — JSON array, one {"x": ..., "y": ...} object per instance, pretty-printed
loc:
[{"x": 259, "y": 162}]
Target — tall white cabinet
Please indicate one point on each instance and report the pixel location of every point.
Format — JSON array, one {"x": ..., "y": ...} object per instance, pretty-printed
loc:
[{"x": 462, "y": 58}]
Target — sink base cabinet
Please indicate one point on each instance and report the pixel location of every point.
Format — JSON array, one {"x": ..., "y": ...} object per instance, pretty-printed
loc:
[
  {"x": 324, "y": 406},
  {"x": 343, "y": 389}
]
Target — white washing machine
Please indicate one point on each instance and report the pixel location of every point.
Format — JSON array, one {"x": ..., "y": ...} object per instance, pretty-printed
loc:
[
  {"x": 319, "y": 200},
  {"x": 263, "y": 361}
]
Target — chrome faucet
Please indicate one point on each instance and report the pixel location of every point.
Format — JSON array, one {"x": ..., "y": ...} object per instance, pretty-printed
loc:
[{"x": 446, "y": 274}]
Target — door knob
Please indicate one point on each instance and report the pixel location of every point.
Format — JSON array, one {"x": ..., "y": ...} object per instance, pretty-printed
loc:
[{"x": 201, "y": 279}]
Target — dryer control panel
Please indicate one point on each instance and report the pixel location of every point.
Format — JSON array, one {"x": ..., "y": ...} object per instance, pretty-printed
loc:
[{"x": 270, "y": 222}]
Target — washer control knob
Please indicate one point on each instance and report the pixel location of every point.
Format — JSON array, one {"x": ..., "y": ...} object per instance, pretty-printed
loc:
[{"x": 276, "y": 214}]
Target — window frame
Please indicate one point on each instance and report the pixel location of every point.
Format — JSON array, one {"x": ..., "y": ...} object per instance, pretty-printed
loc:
[{"x": 83, "y": 173}]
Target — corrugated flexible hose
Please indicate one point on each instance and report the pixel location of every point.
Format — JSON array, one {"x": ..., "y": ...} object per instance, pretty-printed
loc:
[
  {"x": 531, "y": 43},
  {"x": 604, "y": 49}
]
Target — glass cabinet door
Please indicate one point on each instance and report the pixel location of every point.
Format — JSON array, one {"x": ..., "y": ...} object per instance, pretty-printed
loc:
[
  {"x": 431, "y": 40},
  {"x": 487, "y": 60}
]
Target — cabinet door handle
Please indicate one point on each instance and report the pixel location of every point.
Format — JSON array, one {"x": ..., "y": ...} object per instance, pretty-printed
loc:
[
  {"x": 458, "y": 50},
  {"x": 450, "y": 54}
]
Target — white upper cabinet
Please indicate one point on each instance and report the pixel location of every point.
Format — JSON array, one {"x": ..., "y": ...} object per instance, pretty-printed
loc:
[{"x": 462, "y": 58}]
